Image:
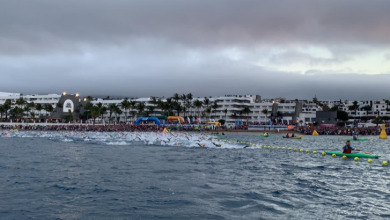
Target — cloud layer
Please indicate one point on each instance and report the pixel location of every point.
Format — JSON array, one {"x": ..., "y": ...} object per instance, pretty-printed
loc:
[{"x": 139, "y": 48}]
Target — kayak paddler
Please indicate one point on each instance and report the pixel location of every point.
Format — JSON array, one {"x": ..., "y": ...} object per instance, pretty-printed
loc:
[
  {"x": 355, "y": 137},
  {"x": 265, "y": 134},
  {"x": 347, "y": 149}
]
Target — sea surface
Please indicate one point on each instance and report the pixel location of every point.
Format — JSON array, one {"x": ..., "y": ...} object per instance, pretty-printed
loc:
[{"x": 69, "y": 176}]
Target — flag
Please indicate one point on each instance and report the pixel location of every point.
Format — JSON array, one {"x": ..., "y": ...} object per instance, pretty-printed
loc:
[
  {"x": 193, "y": 119},
  {"x": 189, "y": 121},
  {"x": 163, "y": 121},
  {"x": 270, "y": 122},
  {"x": 178, "y": 120},
  {"x": 288, "y": 122}
]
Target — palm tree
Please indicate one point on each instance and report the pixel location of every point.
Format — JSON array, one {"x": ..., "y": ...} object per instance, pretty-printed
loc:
[
  {"x": 150, "y": 109},
  {"x": 367, "y": 108},
  {"x": 208, "y": 112},
  {"x": 168, "y": 106},
  {"x": 38, "y": 107},
  {"x": 112, "y": 108},
  {"x": 102, "y": 110},
  {"x": 198, "y": 104},
  {"x": 26, "y": 109},
  {"x": 141, "y": 108},
  {"x": 387, "y": 104},
  {"x": 184, "y": 101},
  {"x": 2, "y": 111},
  {"x": 206, "y": 102},
  {"x": 215, "y": 106},
  {"x": 189, "y": 101},
  {"x": 377, "y": 120},
  {"x": 126, "y": 105},
  {"x": 355, "y": 106},
  {"x": 225, "y": 111},
  {"x": 177, "y": 106},
  {"x": 118, "y": 111},
  {"x": 176, "y": 97},
  {"x": 88, "y": 109},
  {"x": 132, "y": 105},
  {"x": 315, "y": 100},
  {"x": 7, "y": 106},
  {"x": 265, "y": 111},
  {"x": 95, "y": 112},
  {"x": 49, "y": 108},
  {"x": 20, "y": 102},
  {"x": 246, "y": 111}
]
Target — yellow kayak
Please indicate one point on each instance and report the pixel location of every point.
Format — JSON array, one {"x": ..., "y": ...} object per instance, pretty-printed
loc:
[{"x": 298, "y": 137}]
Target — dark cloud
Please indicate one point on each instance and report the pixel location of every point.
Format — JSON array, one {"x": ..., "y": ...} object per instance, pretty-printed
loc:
[
  {"x": 31, "y": 26},
  {"x": 154, "y": 47}
]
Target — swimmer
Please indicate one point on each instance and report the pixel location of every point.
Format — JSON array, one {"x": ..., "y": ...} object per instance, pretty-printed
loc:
[
  {"x": 201, "y": 145},
  {"x": 217, "y": 145}
]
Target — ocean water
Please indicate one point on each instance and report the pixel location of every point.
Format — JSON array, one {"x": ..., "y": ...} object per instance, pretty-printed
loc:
[{"x": 146, "y": 176}]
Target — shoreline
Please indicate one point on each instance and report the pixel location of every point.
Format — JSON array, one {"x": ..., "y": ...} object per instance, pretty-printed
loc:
[{"x": 201, "y": 132}]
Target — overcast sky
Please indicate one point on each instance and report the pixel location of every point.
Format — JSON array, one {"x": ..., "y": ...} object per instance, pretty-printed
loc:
[{"x": 335, "y": 49}]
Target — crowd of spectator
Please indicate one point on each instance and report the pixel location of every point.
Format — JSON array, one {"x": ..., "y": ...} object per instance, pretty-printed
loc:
[
  {"x": 120, "y": 128},
  {"x": 341, "y": 130}
]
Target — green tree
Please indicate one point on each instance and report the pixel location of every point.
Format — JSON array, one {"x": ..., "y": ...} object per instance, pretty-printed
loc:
[
  {"x": 222, "y": 121},
  {"x": 150, "y": 109},
  {"x": 132, "y": 106},
  {"x": 126, "y": 106},
  {"x": 88, "y": 109},
  {"x": 198, "y": 104},
  {"x": 2, "y": 111},
  {"x": 367, "y": 108},
  {"x": 315, "y": 100},
  {"x": 49, "y": 108},
  {"x": 387, "y": 104},
  {"x": 95, "y": 112},
  {"x": 215, "y": 106},
  {"x": 7, "y": 106},
  {"x": 265, "y": 111},
  {"x": 39, "y": 108},
  {"x": 141, "y": 108},
  {"x": 118, "y": 111},
  {"x": 20, "y": 102},
  {"x": 27, "y": 110},
  {"x": 325, "y": 108},
  {"x": 377, "y": 120},
  {"x": 206, "y": 103},
  {"x": 355, "y": 106},
  {"x": 70, "y": 115},
  {"x": 246, "y": 111},
  {"x": 176, "y": 97},
  {"x": 334, "y": 108},
  {"x": 112, "y": 108}
]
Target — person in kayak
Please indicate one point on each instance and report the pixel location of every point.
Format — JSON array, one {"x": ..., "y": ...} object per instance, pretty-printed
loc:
[
  {"x": 287, "y": 136},
  {"x": 292, "y": 135},
  {"x": 355, "y": 137},
  {"x": 347, "y": 149},
  {"x": 265, "y": 134}
]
